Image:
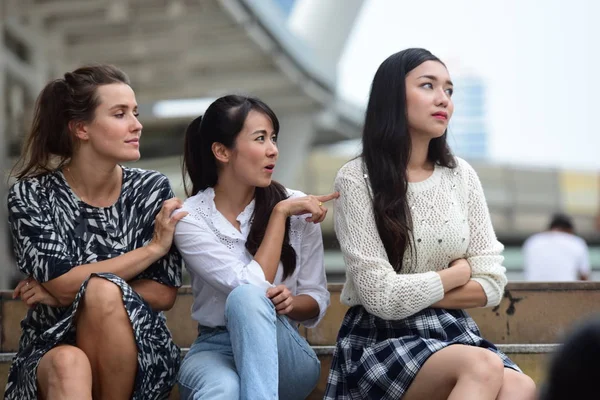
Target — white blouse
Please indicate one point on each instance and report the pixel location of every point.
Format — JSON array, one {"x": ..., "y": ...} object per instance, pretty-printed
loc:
[{"x": 215, "y": 255}]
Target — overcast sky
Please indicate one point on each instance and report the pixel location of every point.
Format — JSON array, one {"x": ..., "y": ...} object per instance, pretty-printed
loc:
[{"x": 540, "y": 60}]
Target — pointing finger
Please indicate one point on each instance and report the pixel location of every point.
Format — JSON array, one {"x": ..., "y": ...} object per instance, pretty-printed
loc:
[{"x": 326, "y": 197}]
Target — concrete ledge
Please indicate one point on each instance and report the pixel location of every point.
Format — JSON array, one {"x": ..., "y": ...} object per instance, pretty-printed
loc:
[
  {"x": 530, "y": 312},
  {"x": 328, "y": 350},
  {"x": 505, "y": 348},
  {"x": 528, "y": 348},
  {"x": 534, "y": 313},
  {"x": 533, "y": 286},
  {"x": 6, "y": 357}
]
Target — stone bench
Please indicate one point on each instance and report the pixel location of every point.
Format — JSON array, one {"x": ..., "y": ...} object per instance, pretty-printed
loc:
[
  {"x": 534, "y": 313},
  {"x": 531, "y": 358},
  {"x": 526, "y": 325}
]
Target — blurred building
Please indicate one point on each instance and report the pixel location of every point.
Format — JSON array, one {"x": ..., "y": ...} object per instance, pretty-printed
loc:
[
  {"x": 468, "y": 134},
  {"x": 284, "y": 51},
  {"x": 286, "y": 6},
  {"x": 181, "y": 54}
]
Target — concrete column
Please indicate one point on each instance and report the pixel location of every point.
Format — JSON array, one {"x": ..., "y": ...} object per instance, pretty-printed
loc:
[
  {"x": 20, "y": 83},
  {"x": 295, "y": 141},
  {"x": 7, "y": 266},
  {"x": 311, "y": 20},
  {"x": 31, "y": 75}
]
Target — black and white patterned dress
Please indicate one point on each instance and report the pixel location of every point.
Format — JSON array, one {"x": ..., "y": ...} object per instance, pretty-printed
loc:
[{"x": 53, "y": 232}]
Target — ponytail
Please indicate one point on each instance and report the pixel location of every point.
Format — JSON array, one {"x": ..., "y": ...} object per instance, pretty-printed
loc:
[
  {"x": 50, "y": 143},
  {"x": 191, "y": 169},
  {"x": 49, "y": 132}
]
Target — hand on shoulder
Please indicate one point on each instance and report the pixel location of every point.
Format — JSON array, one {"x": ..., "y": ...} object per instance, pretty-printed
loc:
[{"x": 164, "y": 225}]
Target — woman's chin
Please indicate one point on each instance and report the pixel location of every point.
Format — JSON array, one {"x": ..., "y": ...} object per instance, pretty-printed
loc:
[
  {"x": 131, "y": 157},
  {"x": 437, "y": 134},
  {"x": 263, "y": 183}
]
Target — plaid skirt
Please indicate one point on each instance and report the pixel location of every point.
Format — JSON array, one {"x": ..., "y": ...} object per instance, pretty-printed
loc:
[{"x": 378, "y": 359}]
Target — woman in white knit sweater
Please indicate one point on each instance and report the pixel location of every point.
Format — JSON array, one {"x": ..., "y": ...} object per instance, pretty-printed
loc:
[{"x": 419, "y": 248}]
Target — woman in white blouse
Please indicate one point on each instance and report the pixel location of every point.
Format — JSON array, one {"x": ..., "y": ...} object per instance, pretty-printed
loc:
[
  {"x": 254, "y": 251},
  {"x": 419, "y": 248}
]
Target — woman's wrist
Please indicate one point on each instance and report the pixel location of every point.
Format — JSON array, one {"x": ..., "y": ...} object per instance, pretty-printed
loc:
[
  {"x": 281, "y": 210},
  {"x": 155, "y": 252},
  {"x": 451, "y": 279}
]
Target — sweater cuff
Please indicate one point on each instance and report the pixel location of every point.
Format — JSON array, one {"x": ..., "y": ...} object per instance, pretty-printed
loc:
[
  {"x": 436, "y": 288},
  {"x": 492, "y": 294}
]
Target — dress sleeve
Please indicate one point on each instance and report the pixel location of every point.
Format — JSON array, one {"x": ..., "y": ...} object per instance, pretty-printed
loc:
[
  {"x": 379, "y": 288},
  {"x": 168, "y": 269},
  {"x": 39, "y": 249},
  {"x": 484, "y": 252}
]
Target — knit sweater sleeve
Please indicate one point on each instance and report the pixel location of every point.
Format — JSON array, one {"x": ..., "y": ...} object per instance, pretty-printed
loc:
[
  {"x": 370, "y": 278},
  {"x": 484, "y": 252}
]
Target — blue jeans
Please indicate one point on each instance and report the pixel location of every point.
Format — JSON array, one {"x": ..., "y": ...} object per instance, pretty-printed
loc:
[{"x": 257, "y": 355}]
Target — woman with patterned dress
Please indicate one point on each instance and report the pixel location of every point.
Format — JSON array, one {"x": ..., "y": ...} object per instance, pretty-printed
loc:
[
  {"x": 419, "y": 249},
  {"x": 254, "y": 251},
  {"x": 95, "y": 240}
]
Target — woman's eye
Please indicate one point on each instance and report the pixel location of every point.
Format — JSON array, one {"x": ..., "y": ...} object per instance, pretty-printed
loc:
[
  {"x": 136, "y": 114},
  {"x": 449, "y": 92},
  {"x": 274, "y": 138},
  {"x": 427, "y": 85},
  {"x": 261, "y": 138},
  {"x": 121, "y": 115}
]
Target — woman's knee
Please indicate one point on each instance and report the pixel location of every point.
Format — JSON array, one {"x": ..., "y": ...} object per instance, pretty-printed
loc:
[
  {"x": 483, "y": 365},
  {"x": 102, "y": 296},
  {"x": 517, "y": 386},
  {"x": 65, "y": 363},
  {"x": 247, "y": 299}
]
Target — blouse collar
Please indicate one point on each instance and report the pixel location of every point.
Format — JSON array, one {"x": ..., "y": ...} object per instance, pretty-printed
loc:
[{"x": 208, "y": 195}]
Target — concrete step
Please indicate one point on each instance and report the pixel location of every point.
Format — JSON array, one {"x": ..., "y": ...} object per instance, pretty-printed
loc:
[
  {"x": 531, "y": 358},
  {"x": 528, "y": 313}
]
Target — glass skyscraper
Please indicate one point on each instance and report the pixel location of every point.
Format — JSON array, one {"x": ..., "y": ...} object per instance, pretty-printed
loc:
[{"x": 468, "y": 134}]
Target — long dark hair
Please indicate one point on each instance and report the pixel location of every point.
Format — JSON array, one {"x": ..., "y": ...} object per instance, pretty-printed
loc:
[
  {"x": 221, "y": 123},
  {"x": 73, "y": 98},
  {"x": 386, "y": 150}
]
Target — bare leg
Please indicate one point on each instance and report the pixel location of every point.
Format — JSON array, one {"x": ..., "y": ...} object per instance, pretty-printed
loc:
[
  {"x": 64, "y": 373},
  {"x": 458, "y": 372},
  {"x": 105, "y": 334},
  {"x": 516, "y": 386}
]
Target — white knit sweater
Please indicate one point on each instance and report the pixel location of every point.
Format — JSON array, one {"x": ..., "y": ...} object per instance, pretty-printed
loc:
[{"x": 450, "y": 221}]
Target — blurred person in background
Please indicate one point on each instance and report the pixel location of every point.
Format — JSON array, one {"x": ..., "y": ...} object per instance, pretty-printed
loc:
[
  {"x": 557, "y": 254},
  {"x": 95, "y": 240},
  {"x": 254, "y": 250},
  {"x": 420, "y": 249},
  {"x": 574, "y": 369}
]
